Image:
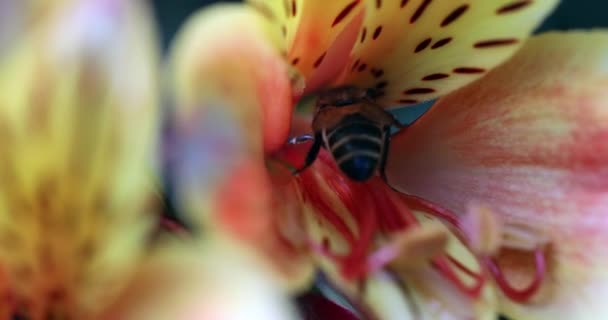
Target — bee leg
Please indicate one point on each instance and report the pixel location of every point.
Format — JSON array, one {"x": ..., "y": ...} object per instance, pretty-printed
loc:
[
  {"x": 396, "y": 122},
  {"x": 312, "y": 153},
  {"x": 382, "y": 166},
  {"x": 301, "y": 139}
]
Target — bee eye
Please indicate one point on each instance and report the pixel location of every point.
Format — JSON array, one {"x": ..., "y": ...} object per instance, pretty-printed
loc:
[{"x": 344, "y": 102}]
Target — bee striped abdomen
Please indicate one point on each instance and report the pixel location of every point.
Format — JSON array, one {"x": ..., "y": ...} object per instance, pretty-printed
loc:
[{"x": 357, "y": 146}]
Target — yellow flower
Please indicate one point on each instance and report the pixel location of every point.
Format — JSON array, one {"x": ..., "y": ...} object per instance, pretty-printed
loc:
[{"x": 77, "y": 129}]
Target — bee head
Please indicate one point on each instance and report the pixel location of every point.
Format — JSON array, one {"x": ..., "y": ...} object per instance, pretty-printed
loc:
[{"x": 341, "y": 96}]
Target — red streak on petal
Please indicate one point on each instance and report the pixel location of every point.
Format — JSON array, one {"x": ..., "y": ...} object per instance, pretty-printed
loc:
[
  {"x": 445, "y": 268},
  {"x": 520, "y": 295},
  {"x": 310, "y": 185},
  {"x": 462, "y": 267}
]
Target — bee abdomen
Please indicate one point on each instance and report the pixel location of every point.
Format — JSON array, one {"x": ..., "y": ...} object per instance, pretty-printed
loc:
[{"x": 356, "y": 148}]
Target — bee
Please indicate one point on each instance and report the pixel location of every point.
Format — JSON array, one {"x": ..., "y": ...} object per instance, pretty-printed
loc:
[{"x": 354, "y": 129}]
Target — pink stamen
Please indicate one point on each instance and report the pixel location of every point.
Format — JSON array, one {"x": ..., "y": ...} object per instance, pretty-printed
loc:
[{"x": 519, "y": 295}]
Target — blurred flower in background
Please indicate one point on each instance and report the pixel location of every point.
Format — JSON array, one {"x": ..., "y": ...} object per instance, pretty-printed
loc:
[{"x": 79, "y": 126}]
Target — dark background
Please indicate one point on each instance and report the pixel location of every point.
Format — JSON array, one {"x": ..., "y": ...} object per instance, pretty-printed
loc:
[{"x": 571, "y": 14}]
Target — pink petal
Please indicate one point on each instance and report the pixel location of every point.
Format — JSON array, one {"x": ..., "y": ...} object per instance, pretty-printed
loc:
[
  {"x": 224, "y": 57},
  {"x": 530, "y": 141}
]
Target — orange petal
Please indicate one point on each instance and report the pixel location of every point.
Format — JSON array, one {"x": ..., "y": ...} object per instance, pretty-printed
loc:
[
  {"x": 317, "y": 35},
  {"x": 223, "y": 58},
  {"x": 529, "y": 140}
]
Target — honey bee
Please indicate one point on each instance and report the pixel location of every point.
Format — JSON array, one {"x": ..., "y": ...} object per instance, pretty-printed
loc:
[{"x": 354, "y": 129}]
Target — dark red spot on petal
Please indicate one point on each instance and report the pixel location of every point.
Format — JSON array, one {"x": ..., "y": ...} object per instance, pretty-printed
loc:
[
  {"x": 495, "y": 43},
  {"x": 319, "y": 60},
  {"x": 435, "y": 76},
  {"x": 377, "y": 32},
  {"x": 355, "y": 65},
  {"x": 263, "y": 10},
  {"x": 377, "y": 72},
  {"x": 420, "y": 10},
  {"x": 454, "y": 15},
  {"x": 419, "y": 91},
  {"x": 294, "y": 8},
  {"x": 407, "y": 101},
  {"x": 381, "y": 85},
  {"x": 363, "y": 34},
  {"x": 441, "y": 43},
  {"x": 284, "y": 30},
  {"x": 512, "y": 7},
  {"x": 345, "y": 12},
  {"x": 422, "y": 45},
  {"x": 403, "y": 3},
  {"x": 362, "y": 67},
  {"x": 469, "y": 70},
  {"x": 295, "y": 61},
  {"x": 378, "y": 4},
  {"x": 286, "y": 7}
]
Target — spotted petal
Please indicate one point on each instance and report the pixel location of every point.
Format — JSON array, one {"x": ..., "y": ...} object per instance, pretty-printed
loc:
[
  {"x": 530, "y": 142},
  {"x": 317, "y": 35},
  {"x": 75, "y": 174},
  {"x": 416, "y": 50}
]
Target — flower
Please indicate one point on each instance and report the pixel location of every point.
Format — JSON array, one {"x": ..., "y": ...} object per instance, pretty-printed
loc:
[
  {"x": 73, "y": 223},
  {"x": 79, "y": 126},
  {"x": 469, "y": 230}
]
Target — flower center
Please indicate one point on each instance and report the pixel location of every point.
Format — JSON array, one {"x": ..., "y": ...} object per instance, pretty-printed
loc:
[{"x": 380, "y": 229}]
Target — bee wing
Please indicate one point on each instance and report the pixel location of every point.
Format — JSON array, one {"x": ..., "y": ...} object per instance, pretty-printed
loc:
[
  {"x": 309, "y": 28},
  {"x": 417, "y": 50}
]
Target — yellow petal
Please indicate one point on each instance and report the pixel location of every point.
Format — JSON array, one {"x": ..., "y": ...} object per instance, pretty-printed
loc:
[
  {"x": 528, "y": 141},
  {"x": 78, "y": 120},
  {"x": 416, "y": 50}
]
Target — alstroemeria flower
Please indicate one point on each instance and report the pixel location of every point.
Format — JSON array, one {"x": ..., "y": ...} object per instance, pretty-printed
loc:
[
  {"x": 430, "y": 253},
  {"x": 77, "y": 131}
]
